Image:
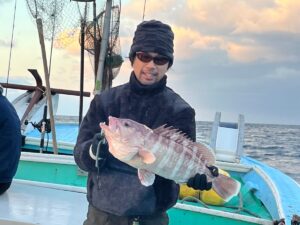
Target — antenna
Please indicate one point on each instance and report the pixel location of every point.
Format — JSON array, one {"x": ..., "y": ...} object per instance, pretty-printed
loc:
[
  {"x": 11, "y": 44},
  {"x": 145, "y": 2}
]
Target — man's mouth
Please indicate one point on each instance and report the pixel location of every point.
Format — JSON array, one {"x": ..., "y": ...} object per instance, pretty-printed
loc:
[{"x": 149, "y": 76}]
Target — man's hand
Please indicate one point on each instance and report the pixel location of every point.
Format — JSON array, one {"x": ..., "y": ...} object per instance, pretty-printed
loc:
[
  {"x": 99, "y": 149},
  {"x": 199, "y": 182}
]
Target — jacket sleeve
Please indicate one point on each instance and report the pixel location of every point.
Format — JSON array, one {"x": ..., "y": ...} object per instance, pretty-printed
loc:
[
  {"x": 88, "y": 128},
  {"x": 10, "y": 140}
]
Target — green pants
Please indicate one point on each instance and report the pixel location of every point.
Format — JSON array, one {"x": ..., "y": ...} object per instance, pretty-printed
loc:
[{"x": 97, "y": 217}]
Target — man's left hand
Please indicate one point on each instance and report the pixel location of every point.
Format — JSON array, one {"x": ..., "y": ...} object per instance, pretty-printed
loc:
[{"x": 199, "y": 182}]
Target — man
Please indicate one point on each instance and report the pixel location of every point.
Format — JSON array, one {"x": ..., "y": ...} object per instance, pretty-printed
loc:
[
  {"x": 10, "y": 142},
  {"x": 114, "y": 191}
]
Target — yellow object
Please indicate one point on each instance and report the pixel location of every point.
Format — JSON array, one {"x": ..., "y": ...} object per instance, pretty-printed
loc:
[
  {"x": 186, "y": 191},
  {"x": 208, "y": 197}
]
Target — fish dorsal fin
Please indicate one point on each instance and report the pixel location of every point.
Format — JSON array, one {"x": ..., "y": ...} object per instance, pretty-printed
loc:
[
  {"x": 172, "y": 133},
  {"x": 204, "y": 152}
]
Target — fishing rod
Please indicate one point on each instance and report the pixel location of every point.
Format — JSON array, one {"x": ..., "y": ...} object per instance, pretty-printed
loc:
[{"x": 43, "y": 127}]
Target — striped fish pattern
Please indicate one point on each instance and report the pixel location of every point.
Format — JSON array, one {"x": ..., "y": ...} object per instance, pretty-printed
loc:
[{"x": 166, "y": 152}]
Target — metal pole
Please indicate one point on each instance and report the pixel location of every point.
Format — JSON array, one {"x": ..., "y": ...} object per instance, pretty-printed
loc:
[
  {"x": 81, "y": 67},
  {"x": 95, "y": 38},
  {"x": 103, "y": 49},
  {"x": 53, "y": 90},
  {"x": 48, "y": 91},
  {"x": 11, "y": 45}
]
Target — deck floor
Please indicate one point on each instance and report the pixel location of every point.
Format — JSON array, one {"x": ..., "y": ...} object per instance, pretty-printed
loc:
[
  {"x": 65, "y": 132},
  {"x": 32, "y": 204}
]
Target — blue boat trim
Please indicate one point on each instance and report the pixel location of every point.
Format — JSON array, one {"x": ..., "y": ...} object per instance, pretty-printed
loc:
[{"x": 285, "y": 201}]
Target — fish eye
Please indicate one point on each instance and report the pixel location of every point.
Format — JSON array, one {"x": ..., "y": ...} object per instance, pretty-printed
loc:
[{"x": 126, "y": 124}]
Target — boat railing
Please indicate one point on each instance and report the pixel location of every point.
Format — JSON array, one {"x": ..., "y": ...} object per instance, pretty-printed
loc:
[{"x": 227, "y": 139}]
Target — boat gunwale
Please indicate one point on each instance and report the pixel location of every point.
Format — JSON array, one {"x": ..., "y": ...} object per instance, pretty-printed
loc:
[
  {"x": 62, "y": 187},
  {"x": 62, "y": 144},
  {"x": 274, "y": 190},
  {"x": 219, "y": 213},
  {"x": 48, "y": 158}
]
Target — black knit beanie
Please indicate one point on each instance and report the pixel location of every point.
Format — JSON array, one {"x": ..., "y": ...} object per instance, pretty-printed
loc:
[{"x": 153, "y": 36}]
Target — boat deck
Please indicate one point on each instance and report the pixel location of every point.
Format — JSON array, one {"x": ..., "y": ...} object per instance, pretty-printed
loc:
[
  {"x": 267, "y": 193},
  {"x": 66, "y": 135},
  {"x": 27, "y": 203}
]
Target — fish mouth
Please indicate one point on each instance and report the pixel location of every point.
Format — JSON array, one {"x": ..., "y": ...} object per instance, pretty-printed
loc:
[
  {"x": 113, "y": 124},
  {"x": 112, "y": 127}
]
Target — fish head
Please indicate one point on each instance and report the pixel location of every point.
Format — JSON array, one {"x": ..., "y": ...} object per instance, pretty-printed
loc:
[{"x": 125, "y": 137}]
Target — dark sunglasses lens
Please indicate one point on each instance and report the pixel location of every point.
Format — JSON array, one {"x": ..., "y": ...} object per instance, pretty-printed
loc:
[
  {"x": 144, "y": 57},
  {"x": 160, "y": 60},
  {"x": 147, "y": 58}
]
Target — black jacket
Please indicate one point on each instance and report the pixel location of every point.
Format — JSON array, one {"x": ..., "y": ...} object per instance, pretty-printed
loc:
[
  {"x": 117, "y": 189},
  {"x": 10, "y": 140}
]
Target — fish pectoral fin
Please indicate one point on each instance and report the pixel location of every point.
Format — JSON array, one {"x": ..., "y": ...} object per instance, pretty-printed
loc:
[
  {"x": 147, "y": 157},
  {"x": 146, "y": 177}
]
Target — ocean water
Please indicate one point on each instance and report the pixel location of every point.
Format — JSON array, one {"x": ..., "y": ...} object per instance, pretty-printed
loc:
[{"x": 276, "y": 145}]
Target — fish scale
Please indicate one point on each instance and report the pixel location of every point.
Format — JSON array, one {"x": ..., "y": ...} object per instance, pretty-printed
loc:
[{"x": 164, "y": 151}]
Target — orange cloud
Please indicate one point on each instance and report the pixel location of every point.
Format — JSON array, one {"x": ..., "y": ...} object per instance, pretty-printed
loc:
[
  {"x": 68, "y": 40},
  {"x": 253, "y": 52},
  {"x": 243, "y": 53},
  {"x": 282, "y": 16},
  {"x": 207, "y": 25},
  {"x": 245, "y": 16},
  {"x": 155, "y": 9},
  {"x": 188, "y": 41}
]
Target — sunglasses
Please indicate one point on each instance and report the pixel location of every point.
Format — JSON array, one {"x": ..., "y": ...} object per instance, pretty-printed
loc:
[{"x": 158, "y": 60}]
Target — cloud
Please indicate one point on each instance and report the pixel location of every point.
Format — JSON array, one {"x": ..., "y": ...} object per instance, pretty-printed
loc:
[
  {"x": 4, "y": 1},
  {"x": 283, "y": 16},
  {"x": 221, "y": 25},
  {"x": 245, "y": 30},
  {"x": 154, "y": 9},
  {"x": 230, "y": 56},
  {"x": 284, "y": 73},
  {"x": 68, "y": 40},
  {"x": 248, "y": 53},
  {"x": 244, "y": 16},
  {"x": 5, "y": 44},
  {"x": 188, "y": 42}
]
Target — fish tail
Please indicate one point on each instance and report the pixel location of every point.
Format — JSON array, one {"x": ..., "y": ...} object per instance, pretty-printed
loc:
[{"x": 226, "y": 187}]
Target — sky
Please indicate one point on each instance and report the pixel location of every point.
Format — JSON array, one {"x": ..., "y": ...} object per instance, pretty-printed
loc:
[{"x": 231, "y": 56}]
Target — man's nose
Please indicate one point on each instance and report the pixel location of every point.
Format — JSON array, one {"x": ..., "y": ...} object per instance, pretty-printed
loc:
[{"x": 151, "y": 64}]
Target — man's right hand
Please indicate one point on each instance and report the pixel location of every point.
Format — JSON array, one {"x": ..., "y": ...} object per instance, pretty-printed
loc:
[{"x": 99, "y": 148}]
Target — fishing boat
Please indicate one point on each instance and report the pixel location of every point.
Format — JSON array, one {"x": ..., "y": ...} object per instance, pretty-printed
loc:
[{"x": 50, "y": 189}]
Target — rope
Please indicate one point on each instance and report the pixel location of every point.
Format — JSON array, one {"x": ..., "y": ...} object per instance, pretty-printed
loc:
[
  {"x": 239, "y": 208},
  {"x": 52, "y": 38},
  {"x": 194, "y": 199},
  {"x": 11, "y": 43}
]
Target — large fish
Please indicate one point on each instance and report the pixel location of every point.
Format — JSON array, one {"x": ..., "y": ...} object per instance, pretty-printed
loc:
[{"x": 166, "y": 152}]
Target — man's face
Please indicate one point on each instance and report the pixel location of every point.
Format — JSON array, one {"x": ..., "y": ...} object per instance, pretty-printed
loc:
[{"x": 149, "y": 72}]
